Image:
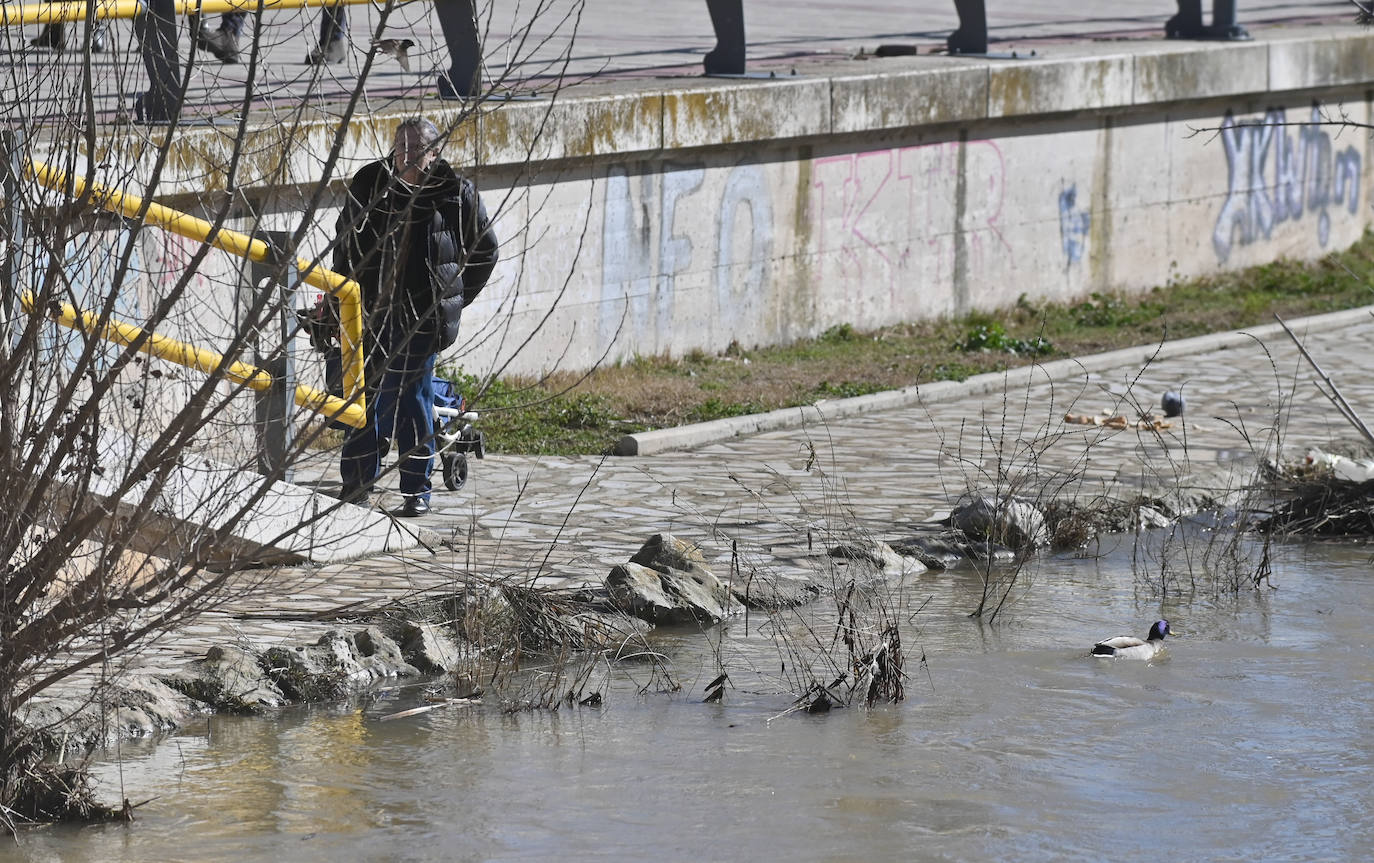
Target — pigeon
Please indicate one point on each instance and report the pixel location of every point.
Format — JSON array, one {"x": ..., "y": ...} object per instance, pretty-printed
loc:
[
  {"x": 398, "y": 48},
  {"x": 1172, "y": 403}
]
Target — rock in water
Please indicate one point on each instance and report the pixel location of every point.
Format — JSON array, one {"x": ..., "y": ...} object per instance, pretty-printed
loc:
[
  {"x": 1008, "y": 520},
  {"x": 667, "y": 582}
]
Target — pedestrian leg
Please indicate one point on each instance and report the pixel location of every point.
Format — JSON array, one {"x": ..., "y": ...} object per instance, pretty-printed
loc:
[
  {"x": 415, "y": 427},
  {"x": 333, "y": 47}
]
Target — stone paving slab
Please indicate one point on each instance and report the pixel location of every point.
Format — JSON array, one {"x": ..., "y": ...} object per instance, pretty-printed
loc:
[{"x": 782, "y": 495}]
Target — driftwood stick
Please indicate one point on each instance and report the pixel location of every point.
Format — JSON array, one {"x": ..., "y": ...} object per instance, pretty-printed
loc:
[
  {"x": 1343, "y": 408},
  {"x": 1346, "y": 411},
  {"x": 446, "y": 702}
]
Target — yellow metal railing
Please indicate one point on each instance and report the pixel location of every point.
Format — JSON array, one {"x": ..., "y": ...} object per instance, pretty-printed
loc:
[
  {"x": 350, "y": 410},
  {"x": 73, "y": 10}
]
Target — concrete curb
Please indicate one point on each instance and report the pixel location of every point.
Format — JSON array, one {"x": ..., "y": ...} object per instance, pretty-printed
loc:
[{"x": 716, "y": 431}]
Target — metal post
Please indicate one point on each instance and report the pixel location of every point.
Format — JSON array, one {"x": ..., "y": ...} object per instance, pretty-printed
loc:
[
  {"x": 1224, "y": 24},
  {"x": 458, "y": 20},
  {"x": 972, "y": 35},
  {"x": 727, "y": 19},
  {"x": 12, "y": 232},
  {"x": 274, "y": 405},
  {"x": 1187, "y": 24},
  {"x": 156, "y": 28}
]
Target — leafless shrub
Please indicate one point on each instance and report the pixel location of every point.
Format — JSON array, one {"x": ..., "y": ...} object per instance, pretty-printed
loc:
[{"x": 114, "y": 532}]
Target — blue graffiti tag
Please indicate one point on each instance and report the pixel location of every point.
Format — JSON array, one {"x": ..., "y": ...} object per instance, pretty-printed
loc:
[
  {"x": 1308, "y": 178},
  {"x": 1073, "y": 225}
]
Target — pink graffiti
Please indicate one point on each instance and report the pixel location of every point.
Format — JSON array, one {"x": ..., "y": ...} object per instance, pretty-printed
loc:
[
  {"x": 168, "y": 255},
  {"x": 890, "y": 217}
]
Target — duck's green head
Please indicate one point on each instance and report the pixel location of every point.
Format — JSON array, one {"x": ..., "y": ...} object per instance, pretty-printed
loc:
[{"x": 1158, "y": 631}]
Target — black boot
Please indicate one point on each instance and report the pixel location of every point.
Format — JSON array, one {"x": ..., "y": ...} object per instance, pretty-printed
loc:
[
  {"x": 221, "y": 43},
  {"x": 333, "y": 51},
  {"x": 51, "y": 36}
]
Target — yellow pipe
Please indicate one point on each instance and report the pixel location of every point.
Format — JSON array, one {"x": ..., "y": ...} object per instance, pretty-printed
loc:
[
  {"x": 74, "y": 10},
  {"x": 200, "y": 359},
  {"x": 348, "y": 291}
]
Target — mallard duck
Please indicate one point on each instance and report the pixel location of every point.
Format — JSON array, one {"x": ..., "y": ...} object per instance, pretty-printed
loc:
[{"x": 1130, "y": 647}]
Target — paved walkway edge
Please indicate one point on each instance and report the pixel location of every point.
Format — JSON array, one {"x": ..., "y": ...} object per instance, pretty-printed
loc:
[{"x": 716, "y": 431}]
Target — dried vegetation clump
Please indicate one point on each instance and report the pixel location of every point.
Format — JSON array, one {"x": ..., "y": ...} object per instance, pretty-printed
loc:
[
  {"x": 38, "y": 791},
  {"x": 1321, "y": 495}
]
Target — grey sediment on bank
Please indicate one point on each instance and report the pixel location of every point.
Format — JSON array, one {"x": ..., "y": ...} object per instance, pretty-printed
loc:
[{"x": 233, "y": 678}]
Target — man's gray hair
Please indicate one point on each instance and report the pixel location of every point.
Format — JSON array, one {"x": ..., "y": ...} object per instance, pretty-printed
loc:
[{"x": 428, "y": 132}]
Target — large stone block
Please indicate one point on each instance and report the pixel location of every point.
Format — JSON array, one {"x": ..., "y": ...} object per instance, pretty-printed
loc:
[
  {"x": 1172, "y": 73},
  {"x": 609, "y": 125},
  {"x": 1312, "y": 61},
  {"x": 1063, "y": 84},
  {"x": 909, "y": 97},
  {"x": 202, "y": 500},
  {"x": 745, "y": 113}
]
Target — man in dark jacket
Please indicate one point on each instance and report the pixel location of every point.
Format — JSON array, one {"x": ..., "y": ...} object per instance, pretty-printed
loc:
[{"x": 414, "y": 234}]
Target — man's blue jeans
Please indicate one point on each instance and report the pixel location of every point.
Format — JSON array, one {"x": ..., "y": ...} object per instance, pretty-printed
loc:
[{"x": 400, "y": 408}]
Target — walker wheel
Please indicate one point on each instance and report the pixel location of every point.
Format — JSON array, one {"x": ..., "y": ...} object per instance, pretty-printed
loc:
[{"x": 455, "y": 470}]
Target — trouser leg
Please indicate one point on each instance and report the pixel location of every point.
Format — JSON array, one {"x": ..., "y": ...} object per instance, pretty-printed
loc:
[
  {"x": 415, "y": 423},
  {"x": 361, "y": 460},
  {"x": 51, "y": 36},
  {"x": 333, "y": 24}
]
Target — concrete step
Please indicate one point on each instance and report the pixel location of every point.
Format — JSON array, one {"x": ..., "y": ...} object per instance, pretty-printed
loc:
[{"x": 241, "y": 515}]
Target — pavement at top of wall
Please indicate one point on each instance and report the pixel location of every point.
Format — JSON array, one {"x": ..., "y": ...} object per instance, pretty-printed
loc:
[{"x": 628, "y": 112}]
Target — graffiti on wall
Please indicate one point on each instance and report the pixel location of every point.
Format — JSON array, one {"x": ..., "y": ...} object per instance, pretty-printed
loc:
[
  {"x": 158, "y": 261},
  {"x": 1074, "y": 225},
  {"x": 890, "y": 218},
  {"x": 881, "y": 210},
  {"x": 648, "y": 248},
  {"x": 744, "y": 243},
  {"x": 89, "y": 271},
  {"x": 1304, "y": 177}
]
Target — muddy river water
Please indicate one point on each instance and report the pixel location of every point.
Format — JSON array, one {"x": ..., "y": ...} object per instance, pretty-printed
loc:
[{"x": 1249, "y": 740}]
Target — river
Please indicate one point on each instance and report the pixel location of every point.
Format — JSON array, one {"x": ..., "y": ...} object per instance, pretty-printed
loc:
[{"x": 1248, "y": 740}]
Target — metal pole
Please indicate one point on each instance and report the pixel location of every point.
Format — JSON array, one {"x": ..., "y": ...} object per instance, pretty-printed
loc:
[
  {"x": 1224, "y": 24},
  {"x": 275, "y": 434},
  {"x": 156, "y": 29},
  {"x": 727, "y": 19},
  {"x": 13, "y": 230},
  {"x": 458, "y": 20},
  {"x": 348, "y": 291}
]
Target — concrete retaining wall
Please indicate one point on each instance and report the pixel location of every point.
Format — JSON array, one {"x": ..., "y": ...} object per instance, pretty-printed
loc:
[
  {"x": 782, "y": 242},
  {"x": 640, "y": 222},
  {"x": 773, "y": 212}
]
